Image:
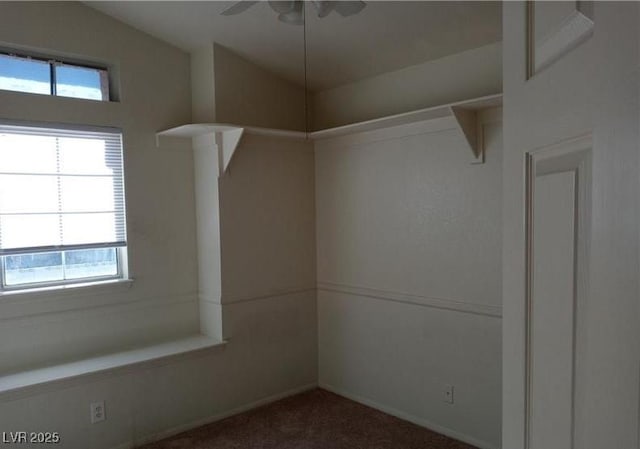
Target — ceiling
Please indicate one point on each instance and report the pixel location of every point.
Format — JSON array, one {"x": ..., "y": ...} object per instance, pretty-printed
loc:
[{"x": 385, "y": 36}]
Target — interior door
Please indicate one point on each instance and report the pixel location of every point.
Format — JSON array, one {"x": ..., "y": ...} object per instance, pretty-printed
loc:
[{"x": 571, "y": 228}]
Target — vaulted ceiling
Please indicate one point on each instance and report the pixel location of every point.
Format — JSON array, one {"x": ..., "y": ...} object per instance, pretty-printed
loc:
[{"x": 385, "y": 36}]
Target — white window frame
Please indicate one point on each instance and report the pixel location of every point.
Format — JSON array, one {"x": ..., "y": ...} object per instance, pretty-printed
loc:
[
  {"x": 122, "y": 273},
  {"x": 121, "y": 252}
]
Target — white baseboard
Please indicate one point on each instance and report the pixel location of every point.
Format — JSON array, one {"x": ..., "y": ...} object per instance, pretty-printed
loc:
[
  {"x": 413, "y": 419},
  {"x": 210, "y": 419}
]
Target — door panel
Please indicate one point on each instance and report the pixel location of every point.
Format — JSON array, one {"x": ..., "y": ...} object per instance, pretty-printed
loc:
[
  {"x": 558, "y": 216},
  {"x": 552, "y": 312}
]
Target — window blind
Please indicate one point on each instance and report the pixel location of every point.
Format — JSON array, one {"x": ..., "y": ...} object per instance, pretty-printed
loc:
[{"x": 60, "y": 189}]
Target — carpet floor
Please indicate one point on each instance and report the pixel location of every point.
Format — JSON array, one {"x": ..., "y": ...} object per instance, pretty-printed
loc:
[{"x": 315, "y": 419}]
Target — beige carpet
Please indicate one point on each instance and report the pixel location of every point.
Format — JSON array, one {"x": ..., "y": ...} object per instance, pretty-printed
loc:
[{"x": 313, "y": 420}]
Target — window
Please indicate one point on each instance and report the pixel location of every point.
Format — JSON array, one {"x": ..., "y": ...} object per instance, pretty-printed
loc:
[
  {"x": 49, "y": 77},
  {"x": 62, "y": 212}
]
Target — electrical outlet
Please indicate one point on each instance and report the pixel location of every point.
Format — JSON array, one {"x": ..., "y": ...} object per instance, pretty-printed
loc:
[
  {"x": 98, "y": 412},
  {"x": 447, "y": 394}
]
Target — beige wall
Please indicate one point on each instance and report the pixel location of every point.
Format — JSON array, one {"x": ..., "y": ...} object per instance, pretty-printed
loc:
[
  {"x": 246, "y": 94},
  {"x": 272, "y": 349},
  {"x": 409, "y": 278},
  {"x": 469, "y": 74},
  {"x": 203, "y": 92},
  {"x": 268, "y": 219}
]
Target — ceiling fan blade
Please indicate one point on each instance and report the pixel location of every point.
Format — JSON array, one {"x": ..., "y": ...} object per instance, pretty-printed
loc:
[
  {"x": 282, "y": 7},
  {"x": 323, "y": 7},
  {"x": 295, "y": 16},
  {"x": 238, "y": 7},
  {"x": 349, "y": 8}
]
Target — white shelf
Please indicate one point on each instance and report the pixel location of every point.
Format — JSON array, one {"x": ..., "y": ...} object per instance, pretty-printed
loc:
[
  {"x": 465, "y": 113},
  {"x": 419, "y": 115},
  {"x": 301, "y": 135},
  {"x": 199, "y": 129},
  {"x": 196, "y": 129}
]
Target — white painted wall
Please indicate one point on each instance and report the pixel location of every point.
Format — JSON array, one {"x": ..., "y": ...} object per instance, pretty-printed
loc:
[
  {"x": 153, "y": 80},
  {"x": 273, "y": 345},
  {"x": 408, "y": 243},
  {"x": 272, "y": 352},
  {"x": 268, "y": 219},
  {"x": 203, "y": 85},
  {"x": 469, "y": 74},
  {"x": 591, "y": 89}
]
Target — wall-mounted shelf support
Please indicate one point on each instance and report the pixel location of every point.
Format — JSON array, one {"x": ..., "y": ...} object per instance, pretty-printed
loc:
[
  {"x": 227, "y": 141},
  {"x": 222, "y": 138},
  {"x": 467, "y": 120}
]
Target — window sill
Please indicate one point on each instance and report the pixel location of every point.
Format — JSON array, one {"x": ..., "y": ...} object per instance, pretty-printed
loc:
[
  {"x": 79, "y": 287},
  {"x": 51, "y": 378}
]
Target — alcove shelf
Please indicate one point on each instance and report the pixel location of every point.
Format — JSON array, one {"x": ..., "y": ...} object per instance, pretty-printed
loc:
[{"x": 464, "y": 113}]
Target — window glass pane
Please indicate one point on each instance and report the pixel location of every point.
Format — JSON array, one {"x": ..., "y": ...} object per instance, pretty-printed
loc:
[
  {"x": 33, "y": 268},
  {"x": 91, "y": 263},
  {"x": 25, "y": 75},
  {"x": 81, "y": 82}
]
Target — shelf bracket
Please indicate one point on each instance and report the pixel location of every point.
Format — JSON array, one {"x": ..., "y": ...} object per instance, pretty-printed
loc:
[
  {"x": 469, "y": 123},
  {"x": 222, "y": 138},
  {"x": 227, "y": 142}
]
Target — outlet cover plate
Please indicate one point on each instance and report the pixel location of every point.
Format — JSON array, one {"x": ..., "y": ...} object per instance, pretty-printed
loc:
[
  {"x": 447, "y": 394},
  {"x": 98, "y": 412}
]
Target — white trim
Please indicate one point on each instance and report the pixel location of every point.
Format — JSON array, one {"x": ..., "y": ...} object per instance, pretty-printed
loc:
[
  {"x": 137, "y": 441},
  {"x": 229, "y": 300},
  {"x": 409, "y": 298},
  {"x": 53, "y": 378},
  {"x": 411, "y": 418}
]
